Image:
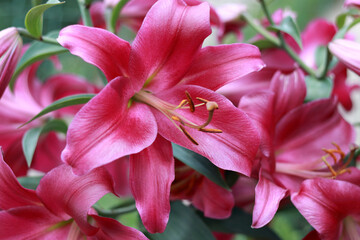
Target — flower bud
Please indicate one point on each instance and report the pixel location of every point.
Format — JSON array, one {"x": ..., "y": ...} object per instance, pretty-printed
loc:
[{"x": 10, "y": 51}]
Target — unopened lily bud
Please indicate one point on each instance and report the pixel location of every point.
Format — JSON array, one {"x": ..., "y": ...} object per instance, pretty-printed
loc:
[{"x": 10, "y": 51}]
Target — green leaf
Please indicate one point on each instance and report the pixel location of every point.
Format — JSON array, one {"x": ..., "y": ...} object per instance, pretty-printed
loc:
[
  {"x": 56, "y": 124},
  {"x": 289, "y": 26},
  {"x": 239, "y": 222},
  {"x": 30, "y": 182},
  {"x": 36, "y": 52},
  {"x": 115, "y": 14},
  {"x": 29, "y": 142},
  {"x": 340, "y": 20},
  {"x": 199, "y": 164},
  {"x": 34, "y": 18},
  {"x": 31, "y": 137},
  {"x": 183, "y": 223},
  {"x": 264, "y": 44},
  {"x": 63, "y": 102},
  {"x": 316, "y": 89}
]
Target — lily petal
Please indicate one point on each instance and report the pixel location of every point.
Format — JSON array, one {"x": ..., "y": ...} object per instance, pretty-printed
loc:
[
  {"x": 325, "y": 203},
  {"x": 215, "y": 201},
  {"x": 308, "y": 129},
  {"x": 167, "y": 42},
  {"x": 112, "y": 229},
  {"x": 290, "y": 92},
  {"x": 12, "y": 193},
  {"x": 267, "y": 198},
  {"x": 216, "y": 66},
  {"x": 32, "y": 222},
  {"x": 66, "y": 194},
  {"x": 91, "y": 44},
  {"x": 236, "y": 146},
  {"x": 105, "y": 129},
  {"x": 151, "y": 174}
]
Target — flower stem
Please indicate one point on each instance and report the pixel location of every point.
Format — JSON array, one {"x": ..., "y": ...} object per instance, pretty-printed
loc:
[
  {"x": 85, "y": 13},
  {"x": 24, "y": 33},
  {"x": 260, "y": 29},
  {"x": 115, "y": 15},
  {"x": 284, "y": 45}
]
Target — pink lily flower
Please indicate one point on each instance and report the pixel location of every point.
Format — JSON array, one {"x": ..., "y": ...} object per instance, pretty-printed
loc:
[
  {"x": 318, "y": 33},
  {"x": 291, "y": 131},
  {"x": 215, "y": 201},
  {"x": 150, "y": 102},
  {"x": 10, "y": 51},
  {"x": 57, "y": 209},
  {"x": 332, "y": 207},
  {"x": 29, "y": 98}
]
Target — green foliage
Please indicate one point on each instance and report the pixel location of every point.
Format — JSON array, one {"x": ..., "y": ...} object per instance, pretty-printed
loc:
[
  {"x": 199, "y": 164},
  {"x": 34, "y": 18},
  {"x": 36, "y": 52},
  {"x": 183, "y": 223},
  {"x": 289, "y": 26},
  {"x": 317, "y": 89}
]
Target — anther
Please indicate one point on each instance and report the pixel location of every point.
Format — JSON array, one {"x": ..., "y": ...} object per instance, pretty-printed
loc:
[
  {"x": 182, "y": 103},
  {"x": 187, "y": 134},
  {"x": 190, "y": 101},
  {"x": 210, "y": 130}
]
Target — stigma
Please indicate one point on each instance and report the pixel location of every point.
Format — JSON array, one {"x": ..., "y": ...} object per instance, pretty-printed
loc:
[{"x": 180, "y": 121}]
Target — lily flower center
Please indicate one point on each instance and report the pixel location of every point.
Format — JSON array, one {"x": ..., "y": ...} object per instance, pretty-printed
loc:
[
  {"x": 335, "y": 160},
  {"x": 179, "y": 120}
]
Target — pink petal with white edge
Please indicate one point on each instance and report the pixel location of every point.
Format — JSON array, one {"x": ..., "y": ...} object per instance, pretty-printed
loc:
[
  {"x": 68, "y": 195},
  {"x": 236, "y": 146},
  {"x": 106, "y": 129},
  {"x": 267, "y": 199},
  {"x": 151, "y": 174},
  {"x": 31, "y": 222},
  {"x": 347, "y": 51},
  {"x": 216, "y": 66},
  {"x": 325, "y": 203},
  {"x": 111, "y": 229},
  {"x": 215, "y": 201},
  {"x": 92, "y": 45},
  {"x": 170, "y": 36},
  {"x": 12, "y": 193}
]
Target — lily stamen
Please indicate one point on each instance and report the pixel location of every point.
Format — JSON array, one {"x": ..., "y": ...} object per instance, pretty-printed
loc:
[
  {"x": 343, "y": 167},
  {"x": 187, "y": 134},
  {"x": 190, "y": 101}
]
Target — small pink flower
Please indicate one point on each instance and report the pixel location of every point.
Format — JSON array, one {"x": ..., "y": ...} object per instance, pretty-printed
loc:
[
  {"x": 10, "y": 51},
  {"x": 352, "y": 3}
]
